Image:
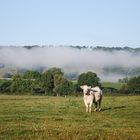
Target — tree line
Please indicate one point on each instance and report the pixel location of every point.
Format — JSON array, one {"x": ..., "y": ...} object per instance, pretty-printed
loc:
[
  {"x": 132, "y": 85},
  {"x": 54, "y": 82},
  {"x": 99, "y": 48},
  {"x": 50, "y": 82}
]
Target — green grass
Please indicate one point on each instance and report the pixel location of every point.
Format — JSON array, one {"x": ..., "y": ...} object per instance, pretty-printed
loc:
[
  {"x": 59, "y": 118},
  {"x": 113, "y": 85}
]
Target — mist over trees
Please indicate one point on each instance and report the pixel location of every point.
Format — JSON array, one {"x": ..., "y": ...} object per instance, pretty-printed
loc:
[{"x": 110, "y": 63}]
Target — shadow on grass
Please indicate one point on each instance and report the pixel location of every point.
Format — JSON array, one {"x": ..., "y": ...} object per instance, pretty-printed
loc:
[{"x": 113, "y": 108}]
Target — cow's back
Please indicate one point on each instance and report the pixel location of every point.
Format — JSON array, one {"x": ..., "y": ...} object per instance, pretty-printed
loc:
[{"x": 97, "y": 92}]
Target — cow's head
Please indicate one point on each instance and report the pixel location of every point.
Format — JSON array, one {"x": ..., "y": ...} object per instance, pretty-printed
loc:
[{"x": 85, "y": 89}]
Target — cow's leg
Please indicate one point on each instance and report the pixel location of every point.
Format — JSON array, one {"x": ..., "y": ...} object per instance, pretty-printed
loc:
[
  {"x": 87, "y": 108},
  {"x": 100, "y": 105},
  {"x": 86, "y": 105},
  {"x": 95, "y": 106},
  {"x": 90, "y": 106}
]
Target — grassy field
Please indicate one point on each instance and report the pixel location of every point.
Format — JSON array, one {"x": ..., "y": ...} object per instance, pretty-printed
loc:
[
  {"x": 113, "y": 85},
  {"x": 59, "y": 118}
]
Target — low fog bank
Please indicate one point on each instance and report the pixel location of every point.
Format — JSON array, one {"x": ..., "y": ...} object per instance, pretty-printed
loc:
[
  {"x": 111, "y": 77},
  {"x": 69, "y": 59}
]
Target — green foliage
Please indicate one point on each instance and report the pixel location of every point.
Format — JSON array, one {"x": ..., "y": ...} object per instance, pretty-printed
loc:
[
  {"x": 61, "y": 84},
  {"x": 63, "y": 87},
  {"x": 31, "y": 74},
  {"x": 16, "y": 83},
  {"x": 47, "y": 82},
  {"x": 74, "y": 88},
  {"x": 20, "y": 86},
  {"x": 131, "y": 86},
  {"x": 5, "y": 86},
  {"x": 112, "y": 87},
  {"x": 51, "y": 82},
  {"x": 134, "y": 85},
  {"x": 37, "y": 88},
  {"x": 89, "y": 78},
  {"x": 55, "y": 71},
  {"x": 124, "y": 89}
]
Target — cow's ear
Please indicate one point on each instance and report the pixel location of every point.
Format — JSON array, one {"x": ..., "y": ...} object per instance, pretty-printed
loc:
[{"x": 81, "y": 87}]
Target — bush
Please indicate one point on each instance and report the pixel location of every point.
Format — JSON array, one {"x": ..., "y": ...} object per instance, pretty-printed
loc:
[
  {"x": 5, "y": 86},
  {"x": 134, "y": 85}
]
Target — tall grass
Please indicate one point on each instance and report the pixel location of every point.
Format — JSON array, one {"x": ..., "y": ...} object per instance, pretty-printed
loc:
[{"x": 59, "y": 118}]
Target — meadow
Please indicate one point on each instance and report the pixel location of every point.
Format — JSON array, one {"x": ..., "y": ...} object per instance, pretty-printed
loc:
[
  {"x": 114, "y": 85},
  {"x": 59, "y": 118}
]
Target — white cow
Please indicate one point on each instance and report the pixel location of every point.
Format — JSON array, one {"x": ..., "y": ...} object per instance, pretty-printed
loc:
[
  {"x": 97, "y": 93},
  {"x": 92, "y": 95}
]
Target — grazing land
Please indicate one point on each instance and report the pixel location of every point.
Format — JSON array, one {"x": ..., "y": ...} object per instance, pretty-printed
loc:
[
  {"x": 59, "y": 118},
  {"x": 112, "y": 85}
]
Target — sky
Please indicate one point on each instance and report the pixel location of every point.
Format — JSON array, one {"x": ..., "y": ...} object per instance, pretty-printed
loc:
[{"x": 111, "y": 23}]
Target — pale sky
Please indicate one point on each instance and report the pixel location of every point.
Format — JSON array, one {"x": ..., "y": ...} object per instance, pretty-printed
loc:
[{"x": 70, "y": 22}]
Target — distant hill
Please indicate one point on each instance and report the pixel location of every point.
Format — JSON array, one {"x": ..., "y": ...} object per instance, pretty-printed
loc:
[{"x": 104, "y": 48}]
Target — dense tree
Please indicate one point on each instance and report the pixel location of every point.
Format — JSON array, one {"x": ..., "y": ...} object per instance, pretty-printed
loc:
[
  {"x": 124, "y": 89},
  {"x": 47, "y": 82},
  {"x": 29, "y": 74},
  {"x": 134, "y": 85},
  {"x": 5, "y": 86},
  {"x": 16, "y": 83},
  {"x": 74, "y": 88},
  {"x": 55, "y": 71},
  {"x": 61, "y": 85},
  {"x": 20, "y": 86},
  {"x": 89, "y": 78},
  {"x": 51, "y": 82}
]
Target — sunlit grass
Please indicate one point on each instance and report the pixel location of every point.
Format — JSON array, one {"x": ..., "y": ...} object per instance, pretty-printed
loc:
[
  {"x": 113, "y": 85},
  {"x": 51, "y": 118}
]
